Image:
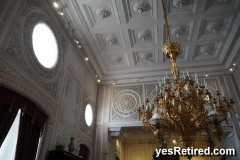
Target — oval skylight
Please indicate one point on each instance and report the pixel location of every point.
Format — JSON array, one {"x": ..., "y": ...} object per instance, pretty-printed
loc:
[
  {"x": 45, "y": 45},
  {"x": 88, "y": 115}
]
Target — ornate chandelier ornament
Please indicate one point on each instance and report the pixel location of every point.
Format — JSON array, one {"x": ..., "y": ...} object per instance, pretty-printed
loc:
[{"x": 184, "y": 107}]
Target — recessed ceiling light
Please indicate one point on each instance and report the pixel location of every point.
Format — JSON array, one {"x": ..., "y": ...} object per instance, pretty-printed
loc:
[
  {"x": 231, "y": 69},
  {"x": 55, "y": 4},
  {"x": 174, "y": 141},
  {"x": 234, "y": 64},
  {"x": 96, "y": 76},
  {"x": 206, "y": 75},
  {"x": 113, "y": 83},
  {"x": 86, "y": 59},
  {"x": 61, "y": 13},
  {"x": 98, "y": 80}
]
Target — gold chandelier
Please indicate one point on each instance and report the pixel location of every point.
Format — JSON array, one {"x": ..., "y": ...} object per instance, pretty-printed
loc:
[{"x": 184, "y": 107}]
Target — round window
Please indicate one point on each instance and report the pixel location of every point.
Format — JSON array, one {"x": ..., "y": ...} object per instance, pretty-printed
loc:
[
  {"x": 88, "y": 115},
  {"x": 45, "y": 45}
]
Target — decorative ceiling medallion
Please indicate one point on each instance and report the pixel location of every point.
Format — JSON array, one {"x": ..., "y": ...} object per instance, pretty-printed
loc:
[
  {"x": 177, "y": 31},
  {"x": 111, "y": 40},
  {"x": 179, "y": 3},
  {"x": 143, "y": 35},
  {"x": 102, "y": 12},
  {"x": 206, "y": 50},
  {"x": 213, "y": 27},
  {"x": 125, "y": 104},
  {"x": 145, "y": 56},
  {"x": 139, "y": 6}
]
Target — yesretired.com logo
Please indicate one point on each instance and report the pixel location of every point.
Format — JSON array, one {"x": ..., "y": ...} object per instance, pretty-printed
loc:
[{"x": 194, "y": 151}]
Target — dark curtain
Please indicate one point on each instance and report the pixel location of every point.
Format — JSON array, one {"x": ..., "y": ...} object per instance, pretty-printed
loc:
[
  {"x": 7, "y": 117},
  {"x": 28, "y": 137},
  {"x": 83, "y": 151}
]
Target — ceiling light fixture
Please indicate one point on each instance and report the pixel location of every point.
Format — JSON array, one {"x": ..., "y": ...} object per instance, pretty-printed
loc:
[
  {"x": 55, "y": 4},
  {"x": 234, "y": 64},
  {"x": 231, "y": 69},
  {"x": 181, "y": 107},
  {"x": 113, "y": 82},
  {"x": 98, "y": 80},
  {"x": 86, "y": 59},
  {"x": 206, "y": 75},
  {"x": 61, "y": 13}
]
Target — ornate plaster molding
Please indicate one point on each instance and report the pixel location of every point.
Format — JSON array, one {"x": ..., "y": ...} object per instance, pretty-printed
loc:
[
  {"x": 111, "y": 40},
  {"x": 145, "y": 56},
  {"x": 143, "y": 35},
  {"x": 115, "y": 135},
  {"x": 205, "y": 50},
  {"x": 212, "y": 27},
  {"x": 21, "y": 50},
  {"x": 98, "y": 144},
  {"x": 102, "y": 12},
  {"x": 177, "y": 31},
  {"x": 101, "y": 98},
  {"x": 178, "y": 3},
  {"x": 125, "y": 102},
  {"x": 140, "y": 7}
]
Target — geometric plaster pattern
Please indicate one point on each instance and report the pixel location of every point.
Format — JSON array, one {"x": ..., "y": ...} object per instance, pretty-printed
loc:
[
  {"x": 68, "y": 116},
  {"x": 125, "y": 102},
  {"x": 232, "y": 92},
  {"x": 77, "y": 65},
  {"x": 91, "y": 86},
  {"x": 5, "y": 68},
  {"x": 100, "y": 106},
  {"x": 98, "y": 144},
  {"x": 21, "y": 50}
]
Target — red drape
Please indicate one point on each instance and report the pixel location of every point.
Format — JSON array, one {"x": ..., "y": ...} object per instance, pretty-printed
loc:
[
  {"x": 28, "y": 137},
  {"x": 21, "y": 102}
]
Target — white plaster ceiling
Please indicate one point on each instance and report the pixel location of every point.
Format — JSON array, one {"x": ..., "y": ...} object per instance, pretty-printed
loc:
[{"x": 123, "y": 38}]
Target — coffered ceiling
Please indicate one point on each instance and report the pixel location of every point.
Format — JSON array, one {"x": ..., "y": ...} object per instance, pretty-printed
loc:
[{"x": 123, "y": 38}]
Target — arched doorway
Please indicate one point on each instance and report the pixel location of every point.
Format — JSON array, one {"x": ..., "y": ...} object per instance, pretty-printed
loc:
[{"x": 84, "y": 151}]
